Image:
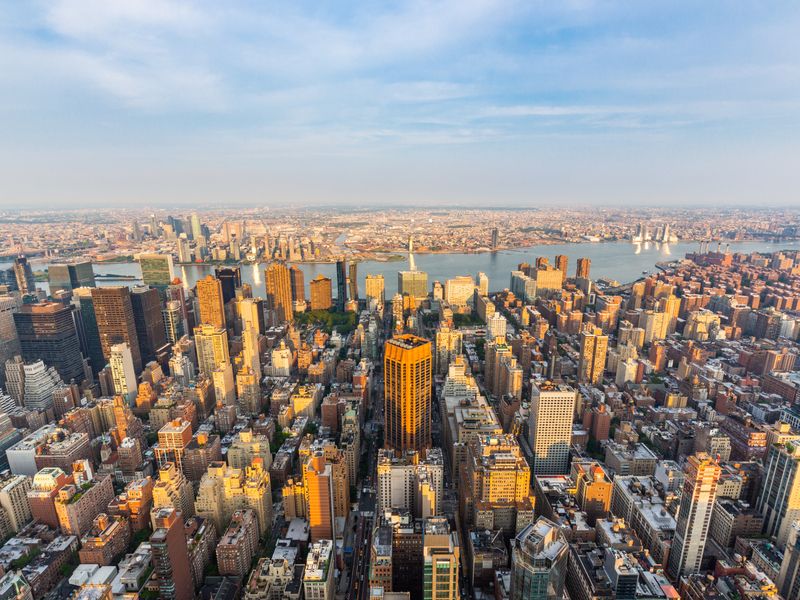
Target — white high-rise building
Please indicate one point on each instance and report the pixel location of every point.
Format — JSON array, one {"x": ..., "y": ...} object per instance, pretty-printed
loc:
[
  {"x": 181, "y": 368},
  {"x": 550, "y": 427},
  {"x": 224, "y": 386},
  {"x": 694, "y": 515},
  {"x": 496, "y": 326},
  {"x": 281, "y": 361},
  {"x": 250, "y": 353},
  {"x": 40, "y": 383},
  {"x": 123, "y": 372}
]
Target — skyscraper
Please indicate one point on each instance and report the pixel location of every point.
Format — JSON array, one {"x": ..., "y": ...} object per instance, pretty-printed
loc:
[
  {"x": 550, "y": 427},
  {"x": 210, "y": 300},
  {"x": 562, "y": 261},
  {"x": 408, "y": 366},
  {"x": 318, "y": 484},
  {"x": 47, "y": 332},
  {"x": 582, "y": 270},
  {"x": 230, "y": 279},
  {"x": 779, "y": 500},
  {"x": 212, "y": 348},
  {"x": 321, "y": 293},
  {"x": 88, "y": 333},
  {"x": 113, "y": 310},
  {"x": 592, "y": 361},
  {"x": 298, "y": 283},
  {"x": 412, "y": 283},
  {"x": 353, "y": 280},
  {"x": 149, "y": 322},
  {"x": 171, "y": 555},
  {"x": 70, "y": 276},
  {"x": 26, "y": 282},
  {"x": 157, "y": 269},
  {"x": 341, "y": 283},
  {"x": 172, "y": 314},
  {"x": 375, "y": 290},
  {"x": 495, "y": 238},
  {"x": 694, "y": 515},
  {"x": 279, "y": 293},
  {"x": 539, "y": 558},
  {"x": 122, "y": 372}
]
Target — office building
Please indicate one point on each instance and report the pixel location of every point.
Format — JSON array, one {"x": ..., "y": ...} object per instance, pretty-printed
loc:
[
  {"x": 352, "y": 281},
  {"x": 26, "y": 282},
  {"x": 149, "y": 322},
  {"x": 407, "y": 393},
  {"x": 592, "y": 359},
  {"x": 279, "y": 293},
  {"x": 157, "y": 269},
  {"x": 9, "y": 341},
  {"x": 46, "y": 332},
  {"x": 779, "y": 500},
  {"x": 375, "y": 290},
  {"x": 319, "y": 495},
  {"x": 694, "y": 515},
  {"x": 211, "y": 344},
  {"x": 297, "y": 280},
  {"x": 539, "y": 558},
  {"x": 172, "y": 315},
  {"x": 441, "y": 555},
  {"x": 413, "y": 283},
  {"x": 341, "y": 284},
  {"x": 70, "y": 276},
  {"x": 88, "y": 333},
  {"x": 230, "y": 279},
  {"x": 550, "y": 427},
  {"x": 210, "y": 302},
  {"x": 321, "y": 293},
  {"x": 171, "y": 555},
  {"x": 123, "y": 373},
  {"x": 113, "y": 311}
]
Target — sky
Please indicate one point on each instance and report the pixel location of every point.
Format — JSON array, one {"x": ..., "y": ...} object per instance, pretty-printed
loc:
[{"x": 451, "y": 102}]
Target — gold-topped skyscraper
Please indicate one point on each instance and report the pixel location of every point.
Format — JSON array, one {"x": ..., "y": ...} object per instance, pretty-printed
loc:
[
  {"x": 408, "y": 367},
  {"x": 279, "y": 292}
]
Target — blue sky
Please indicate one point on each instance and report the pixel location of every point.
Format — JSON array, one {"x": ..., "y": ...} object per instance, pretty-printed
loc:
[{"x": 473, "y": 102}]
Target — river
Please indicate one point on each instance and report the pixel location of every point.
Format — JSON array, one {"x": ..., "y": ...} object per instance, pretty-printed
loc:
[{"x": 622, "y": 261}]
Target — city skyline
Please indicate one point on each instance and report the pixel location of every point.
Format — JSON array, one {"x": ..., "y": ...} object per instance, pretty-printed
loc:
[{"x": 167, "y": 103}]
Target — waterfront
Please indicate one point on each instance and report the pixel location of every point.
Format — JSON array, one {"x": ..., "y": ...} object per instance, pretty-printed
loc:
[{"x": 622, "y": 261}]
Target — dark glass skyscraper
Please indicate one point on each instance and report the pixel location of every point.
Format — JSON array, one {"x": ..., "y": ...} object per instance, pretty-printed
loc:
[
  {"x": 47, "y": 332},
  {"x": 71, "y": 276},
  {"x": 230, "y": 278},
  {"x": 341, "y": 283},
  {"x": 149, "y": 322},
  {"x": 115, "y": 323}
]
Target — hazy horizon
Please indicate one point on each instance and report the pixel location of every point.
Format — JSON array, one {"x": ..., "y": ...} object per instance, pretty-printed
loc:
[{"x": 451, "y": 103}]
